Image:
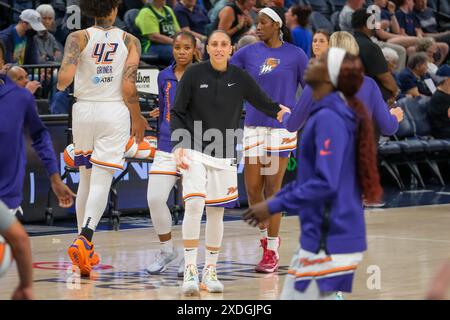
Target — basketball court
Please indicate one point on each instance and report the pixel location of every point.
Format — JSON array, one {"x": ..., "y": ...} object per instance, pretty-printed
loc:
[{"x": 405, "y": 246}]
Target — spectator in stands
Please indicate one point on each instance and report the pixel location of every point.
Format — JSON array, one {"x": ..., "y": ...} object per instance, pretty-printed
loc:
[
  {"x": 410, "y": 26},
  {"x": 21, "y": 5},
  {"x": 391, "y": 57},
  {"x": 20, "y": 77},
  {"x": 218, "y": 6},
  {"x": 18, "y": 39},
  {"x": 428, "y": 45},
  {"x": 244, "y": 41},
  {"x": 387, "y": 32},
  {"x": 49, "y": 49},
  {"x": 158, "y": 24},
  {"x": 372, "y": 57},
  {"x": 412, "y": 79},
  {"x": 192, "y": 17},
  {"x": 427, "y": 21},
  {"x": 297, "y": 20},
  {"x": 320, "y": 42},
  {"x": 439, "y": 109},
  {"x": 345, "y": 17},
  {"x": 235, "y": 19},
  {"x": 18, "y": 107}
]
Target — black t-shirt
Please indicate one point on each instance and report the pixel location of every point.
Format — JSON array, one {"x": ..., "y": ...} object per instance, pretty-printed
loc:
[
  {"x": 373, "y": 60},
  {"x": 438, "y": 112}
]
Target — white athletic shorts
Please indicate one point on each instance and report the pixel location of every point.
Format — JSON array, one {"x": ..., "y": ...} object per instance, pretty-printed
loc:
[
  {"x": 164, "y": 164},
  {"x": 331, "y": 272},
  {"x": 100, "y": 133},
  {"x": 260, "y": 141},
  {"x": 211, "y": 178}
]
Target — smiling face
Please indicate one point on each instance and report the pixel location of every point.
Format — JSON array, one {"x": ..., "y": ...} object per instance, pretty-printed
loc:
[{"x": 219, "y": 48}]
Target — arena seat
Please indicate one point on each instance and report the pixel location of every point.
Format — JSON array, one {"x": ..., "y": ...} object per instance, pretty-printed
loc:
[
  {"x": 443, "y": 14},
  {"x": 393, "y": 153},
  {"x": 338, "y": 4},
  {"x": 319, "y": 21},
  {"x": 419, "y": 144},
  {"x": 129, "y": 18},
  {"x": 321, "y": 6},
  {"x": 335, "y": 20}
]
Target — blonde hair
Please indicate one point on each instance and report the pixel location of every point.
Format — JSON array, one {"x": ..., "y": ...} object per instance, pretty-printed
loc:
[{"x": 344, "y": 40}]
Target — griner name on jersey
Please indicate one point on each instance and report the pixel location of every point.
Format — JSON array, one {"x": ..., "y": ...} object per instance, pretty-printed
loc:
[{"x": 103, "y": 79}]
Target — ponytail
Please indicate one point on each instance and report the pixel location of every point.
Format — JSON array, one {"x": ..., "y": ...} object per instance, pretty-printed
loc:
[
  {"x": 350, "y": 78},
  {"x": 366, "y": 153}
]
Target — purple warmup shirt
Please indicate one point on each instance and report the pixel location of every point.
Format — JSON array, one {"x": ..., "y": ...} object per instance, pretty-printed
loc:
[
  {"x": 18, "y": 115},
  {"x": 327, "y": 186},
  {"x": 167, "y": 86},
  {"x": 278, "y": 71},
  {"x": 369, "y": 94}
]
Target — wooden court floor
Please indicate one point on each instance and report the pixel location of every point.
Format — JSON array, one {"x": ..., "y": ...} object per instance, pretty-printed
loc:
[{"x": 405, "y": 247}]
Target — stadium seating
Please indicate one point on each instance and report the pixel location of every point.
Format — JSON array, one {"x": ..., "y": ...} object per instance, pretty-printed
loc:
[
  {"x": 319, "y": 21},
  {"x": 413, "y": 144}
]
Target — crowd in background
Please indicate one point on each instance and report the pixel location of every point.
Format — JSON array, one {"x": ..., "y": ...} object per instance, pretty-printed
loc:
[{"x": 412, "y": 35}]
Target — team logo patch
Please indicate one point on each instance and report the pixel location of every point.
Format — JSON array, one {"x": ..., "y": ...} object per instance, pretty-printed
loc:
[
  {"x": 232, "y": 190},
  {"x": 269, "y": 65}
]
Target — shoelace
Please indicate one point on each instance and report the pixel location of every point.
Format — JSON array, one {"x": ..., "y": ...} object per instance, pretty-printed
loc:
[
  {"x": 189, "y": 275},
  {"x": 269, "y": 256},
  {"x": 212, "y": 272}
]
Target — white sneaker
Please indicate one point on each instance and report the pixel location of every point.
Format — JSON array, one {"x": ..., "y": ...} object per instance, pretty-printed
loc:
[
  {"x": 210, "y": 281},
  {"x": 339, "y": 296},
  {"x": 190, "y": 282},
  {"x": 180, "y": 272},
  {"x": 162, "y": 262}
]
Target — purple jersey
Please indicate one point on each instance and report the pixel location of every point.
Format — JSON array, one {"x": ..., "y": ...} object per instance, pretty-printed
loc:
[
  {"x": 278, "y": 71},
  {"x": 327, "y": 188},
  {"x": 18, "y": 116},
  {"x": 167, "y": 86},
  {"x": 370, "y": 96}
]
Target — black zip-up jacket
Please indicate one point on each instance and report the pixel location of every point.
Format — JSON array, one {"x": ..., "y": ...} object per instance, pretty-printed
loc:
[{"x": 216, "y": 99}]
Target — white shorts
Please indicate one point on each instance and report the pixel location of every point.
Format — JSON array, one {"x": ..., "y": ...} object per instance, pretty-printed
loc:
[
  {"x": 260, "y": 141},
  {"x": 331, "y": 272},
  {"x": 210, "y": 178},
  {"x": 100, "y": 133},
  {"x": 164, "y": 164}
]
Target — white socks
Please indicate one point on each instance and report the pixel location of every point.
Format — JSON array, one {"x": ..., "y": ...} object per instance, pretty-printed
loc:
[
  {"x": 97, "y": 199},
  {"x": 211, "y": 257},
  {"x": 273, "y": 243},
  {"x": 167, "y": 246},
  {"x": 190, "y": 256},
  {"x": 158, "y": 191},
  {"x": 263, "y": 233}
]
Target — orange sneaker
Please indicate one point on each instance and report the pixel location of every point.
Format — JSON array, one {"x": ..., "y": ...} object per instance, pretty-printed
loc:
[
  {"x": 80, "y": 253},
  {"x": 94, "y": 258}
]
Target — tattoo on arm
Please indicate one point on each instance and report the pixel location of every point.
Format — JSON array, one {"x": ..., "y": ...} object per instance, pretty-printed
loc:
[
  {"x": 133, "y": 99},
  {"x": 72, "y": 51},
  {"x": 132, "y": 40},
  {"x": 130, "y": 73}
]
